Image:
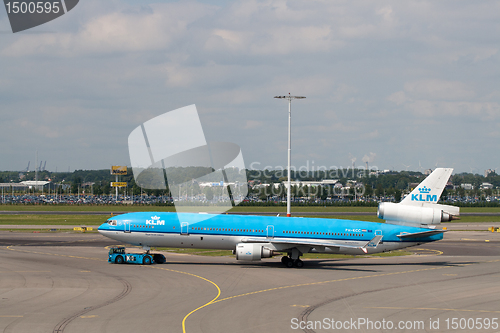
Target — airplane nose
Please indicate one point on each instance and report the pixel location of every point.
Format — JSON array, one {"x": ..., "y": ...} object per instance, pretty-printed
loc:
[{"x": 101, "y": 228}]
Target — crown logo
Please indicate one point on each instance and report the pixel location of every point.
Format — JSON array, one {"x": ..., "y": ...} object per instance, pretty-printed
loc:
[
  {"x": 156, "y": 218},
  {"x": 424, "y": 189}
]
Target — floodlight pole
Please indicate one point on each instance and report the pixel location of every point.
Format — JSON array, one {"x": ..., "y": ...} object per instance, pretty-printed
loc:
[{"x": 288, "y": 184}]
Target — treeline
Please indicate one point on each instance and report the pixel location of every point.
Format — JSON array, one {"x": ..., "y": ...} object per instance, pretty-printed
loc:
[{"x": 372, "y": 180}]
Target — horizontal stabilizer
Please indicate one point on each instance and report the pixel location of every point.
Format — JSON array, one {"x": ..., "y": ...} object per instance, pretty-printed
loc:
[{"x": 421, "y": 234}]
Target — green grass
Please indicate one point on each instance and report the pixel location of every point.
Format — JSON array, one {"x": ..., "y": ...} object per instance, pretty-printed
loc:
[
  {"x": 85, "y": 208},
  {"x": 470, "y": 219},
  {"x": 44, "y": 230},
  {"x": 83, "y": 220},
  {"x": 480, "y": 210},
  {"x": 238, "y": 209},
  {"x": 374, "y": 218},
  {"x": 133, "y": 208}
]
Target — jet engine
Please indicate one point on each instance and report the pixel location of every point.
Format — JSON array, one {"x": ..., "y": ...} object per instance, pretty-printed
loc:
[
  {"x": 422, "y": 214},
  {"x": 252, "y": 251}
]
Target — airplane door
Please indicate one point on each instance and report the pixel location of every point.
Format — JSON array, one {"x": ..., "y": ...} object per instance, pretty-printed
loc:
[
  {"x": 184, "y": 228},
  {"x": 270, "y": 231},
  {"x": 126, "y": 226}
]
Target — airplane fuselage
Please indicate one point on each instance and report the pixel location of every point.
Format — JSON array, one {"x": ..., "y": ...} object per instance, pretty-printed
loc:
[{"x": 222, "y": 231}]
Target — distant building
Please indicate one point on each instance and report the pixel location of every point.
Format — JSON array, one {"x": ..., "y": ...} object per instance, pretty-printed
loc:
[
  {"x": 39, "y": 185},
  {"x": 467, "y": 186},
  {"x": 29, "y": 184},
  {"x": 324, "y": 182},
  {"x": 485, "y": 186}
]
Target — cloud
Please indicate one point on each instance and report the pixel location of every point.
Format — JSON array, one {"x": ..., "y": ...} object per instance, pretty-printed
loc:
[
  {"x": 156, "y": 28},
  {"x": 398, "y": 97},
  {"x": 476, "y": 110},
  {"x": 373, "y": 73},
  {"x": 435, "y": 89},
  {"x": 435, "y": 98}
]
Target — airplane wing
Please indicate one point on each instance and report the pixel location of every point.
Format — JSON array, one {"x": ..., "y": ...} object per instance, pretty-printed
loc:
[{"x": 295, "y": 242}]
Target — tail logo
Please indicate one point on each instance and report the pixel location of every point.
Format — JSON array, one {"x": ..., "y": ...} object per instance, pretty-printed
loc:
[
  {"x": 424, "y": 198},
  {"x": 424, "y": 190}
]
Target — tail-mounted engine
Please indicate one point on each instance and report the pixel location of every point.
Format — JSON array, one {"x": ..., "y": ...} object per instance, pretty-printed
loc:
[{"x": 422, "y": 214}]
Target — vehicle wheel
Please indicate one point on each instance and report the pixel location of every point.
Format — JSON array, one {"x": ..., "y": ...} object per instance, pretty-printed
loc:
[
  {"x": 146, "y": 260},
  {"x": 299, "y": 263},
  {"x": 289, "y": 263},
  {"x": 284, "y": 259},
  {"x": 119, "y": 260}
]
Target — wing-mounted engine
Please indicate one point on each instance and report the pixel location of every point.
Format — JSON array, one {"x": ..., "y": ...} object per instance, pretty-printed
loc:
[
  {"x": 420, "y": 207},
  {"x": 252, "y": 251}
]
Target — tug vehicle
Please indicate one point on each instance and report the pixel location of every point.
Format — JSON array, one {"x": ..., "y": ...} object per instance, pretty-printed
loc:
[{"x": 117, "y": 255}]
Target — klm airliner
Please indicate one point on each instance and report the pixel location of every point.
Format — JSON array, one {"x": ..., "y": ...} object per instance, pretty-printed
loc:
[{"x": 411, "y": 222}]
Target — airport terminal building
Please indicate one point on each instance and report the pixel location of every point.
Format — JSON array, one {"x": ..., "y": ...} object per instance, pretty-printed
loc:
[{"x": 28, "y": 185}]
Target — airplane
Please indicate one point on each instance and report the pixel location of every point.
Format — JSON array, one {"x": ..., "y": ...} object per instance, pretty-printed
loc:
[{"x": 411, "y": 222}]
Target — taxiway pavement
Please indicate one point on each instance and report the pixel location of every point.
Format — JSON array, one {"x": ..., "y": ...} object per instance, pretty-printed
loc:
[{"x": 62, "y": 283}]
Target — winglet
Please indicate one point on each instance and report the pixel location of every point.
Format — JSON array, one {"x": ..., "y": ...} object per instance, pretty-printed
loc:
[{"x": 372, "y": 243}]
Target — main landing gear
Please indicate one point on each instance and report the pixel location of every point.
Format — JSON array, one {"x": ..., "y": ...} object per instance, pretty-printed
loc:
[
  {"x": 289, "y": 262},
  {"x": 293, "y": 259}
]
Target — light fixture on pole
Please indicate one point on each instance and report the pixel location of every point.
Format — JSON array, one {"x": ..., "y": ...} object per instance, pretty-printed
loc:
[{"x": 288, "y": 185}]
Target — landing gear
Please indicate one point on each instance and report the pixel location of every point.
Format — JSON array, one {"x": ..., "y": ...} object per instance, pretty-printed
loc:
[{"x": 289, "y": 262}]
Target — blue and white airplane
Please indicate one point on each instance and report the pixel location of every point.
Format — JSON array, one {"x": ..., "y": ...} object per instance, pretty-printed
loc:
[{"x": 408, "y": 223}]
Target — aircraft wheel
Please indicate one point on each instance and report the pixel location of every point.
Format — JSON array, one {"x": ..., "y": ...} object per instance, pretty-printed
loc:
[
  {"x": 299, "y": 263},
  {"x": 146, "y": 260},
  {"x": 289, "y": 263},
  {"x": 284, "y": 259},
  {"x": 119, "y": 260}
]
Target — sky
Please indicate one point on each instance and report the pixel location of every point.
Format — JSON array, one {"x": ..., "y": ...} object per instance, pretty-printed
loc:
[{"x": 400, "y": 84}]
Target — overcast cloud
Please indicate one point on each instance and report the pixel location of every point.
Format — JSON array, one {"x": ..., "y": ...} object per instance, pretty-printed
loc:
[{"x": 408, "y": 81}]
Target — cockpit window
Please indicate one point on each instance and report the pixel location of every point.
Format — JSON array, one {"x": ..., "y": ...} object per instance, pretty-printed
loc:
[{"x": 112, "y": 222}]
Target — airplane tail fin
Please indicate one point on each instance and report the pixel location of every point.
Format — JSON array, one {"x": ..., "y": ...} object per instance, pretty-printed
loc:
[
  {"x": 430, "y": 189},
  {"x": 420, "y": 207}
]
